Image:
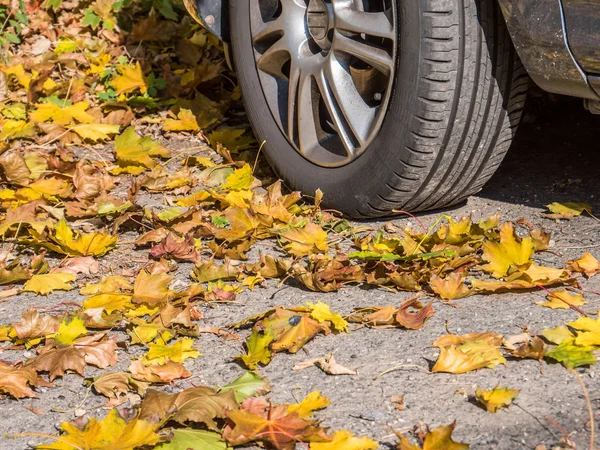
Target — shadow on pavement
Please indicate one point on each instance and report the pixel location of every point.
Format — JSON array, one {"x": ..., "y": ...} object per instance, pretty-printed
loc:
[{"x": 555, "y": 156}]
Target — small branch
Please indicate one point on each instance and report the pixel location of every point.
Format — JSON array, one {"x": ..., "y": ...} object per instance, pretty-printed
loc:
[{"x": 589, "y": 406}]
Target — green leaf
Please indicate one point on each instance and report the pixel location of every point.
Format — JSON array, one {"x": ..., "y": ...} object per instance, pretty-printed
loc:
[
  {"x": 190, "y": 439},
  {"x": 250, "y": 384},
  {"x": 12, "y": 38},
  {"x": 90, "y": 18},
  {"x": 571, "y": 355}
]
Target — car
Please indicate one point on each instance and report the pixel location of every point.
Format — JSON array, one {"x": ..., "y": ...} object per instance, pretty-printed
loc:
[{"x": 390, "y": 105}]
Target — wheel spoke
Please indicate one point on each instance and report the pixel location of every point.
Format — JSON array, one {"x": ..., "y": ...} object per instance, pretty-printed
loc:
[
  {"x": 293, "y": 88},
  {"x": 351, "y": 110},
  {"x": 307, "y": 115},
  {"x": 371, "y": 54},
  {"x": 270, "y": 29},
  {"x": 272, "y": 60},
  {"x": 349, "y": 18}
]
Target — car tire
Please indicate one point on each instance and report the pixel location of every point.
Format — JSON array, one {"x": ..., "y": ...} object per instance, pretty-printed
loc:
[{"x": 457, "y": 98}]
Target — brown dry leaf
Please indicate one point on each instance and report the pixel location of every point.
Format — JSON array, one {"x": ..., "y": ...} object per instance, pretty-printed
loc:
[
  {"x": 199, "y": 404},
  {"x": 526, "y": 346},
  {"x": 450, "y": 288},
  {"x": 33, "y": 326},
  {"x": 157, "y": 373},
  {"x": 17, "y": 381},
  {"x": 260, "y": 421},
  {"x": 96, "y": 350},
  {"x": 587, "y": 265},
  {"x": 151, "y": 289},
  {"x": 178, "y": 249},
  {"x": 413, "y": 320},
  {"x": 327, "y": 364}
]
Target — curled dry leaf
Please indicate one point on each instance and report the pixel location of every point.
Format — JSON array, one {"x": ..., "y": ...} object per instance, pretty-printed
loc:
[
  {"x": 156, "y": 373},
  {"x": 450, "y": 288},
  {"x": 199, "y": 404},
  {"x": 17, "y": 381},
  {"x": 96, "y": 350},
  {"x": 587, "y": 265},
  {"x": 327, "y": 364}
]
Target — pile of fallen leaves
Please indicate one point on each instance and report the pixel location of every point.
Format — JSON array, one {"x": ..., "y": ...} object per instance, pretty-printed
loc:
[{"x": 89, "y": 90}]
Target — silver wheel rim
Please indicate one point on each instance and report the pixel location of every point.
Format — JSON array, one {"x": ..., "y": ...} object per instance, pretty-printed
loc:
[{"x": 326, "y": 69}]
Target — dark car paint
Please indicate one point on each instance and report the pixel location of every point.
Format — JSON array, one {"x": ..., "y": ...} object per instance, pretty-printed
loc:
[
  {"x": 583, "y": 24},
  {"x": 558, "y": 41}
]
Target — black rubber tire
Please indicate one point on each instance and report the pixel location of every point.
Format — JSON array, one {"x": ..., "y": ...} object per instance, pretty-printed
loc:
[{"x": 458, "y": 98}]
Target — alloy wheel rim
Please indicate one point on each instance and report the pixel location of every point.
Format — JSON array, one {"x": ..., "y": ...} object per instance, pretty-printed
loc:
[{"x": 326, "y": 68}]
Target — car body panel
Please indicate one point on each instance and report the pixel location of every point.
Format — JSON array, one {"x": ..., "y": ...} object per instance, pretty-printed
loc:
[{"x": 557, "y": 59}]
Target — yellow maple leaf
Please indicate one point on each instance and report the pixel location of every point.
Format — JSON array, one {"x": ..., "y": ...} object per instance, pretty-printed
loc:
[
  {"x": 347, "y": 441},
  {"x": 304, "y": 241},
  {"x": 51, "y": 112},
  {"x": 68, "y": 332},
  {"x": 568, "y": 210},
  {"x": 64, "y": 240},
  {"x": 15, "y": 129},
  {"x": 130, "y": 78},
  {"x": 450, "y": 288},
  {"x": 321, "y": 312},
  {"x": 186, "y": 121},
  {"x": 587, "y": 265},
  {"x": 311, "y": 403},
  {"x": 178, "y": 352},
  {"x": 562, "y": 299},
  {"x": 18, "y": 71},
  {"x": 47, "y": 283},
  {"x": 132, "y": 150},
  {"x": 240, "y": 179},
  {"x": 109, "y": 302},
  {"x": 467, "y": 356},
  {"x": 588, "y": 331},
  {"x": 49, "y": 188},
  {"x": 509, "y": 252},
  {"x": 95, "y": 131},
  {"x": 439, "y": 438},
  {"x": 110, "y": 433},
  {"x": 496, "y": 398}
]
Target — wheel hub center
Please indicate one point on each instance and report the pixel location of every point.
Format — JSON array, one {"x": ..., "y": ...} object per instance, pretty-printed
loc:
[{"x": 318, "y": 22}]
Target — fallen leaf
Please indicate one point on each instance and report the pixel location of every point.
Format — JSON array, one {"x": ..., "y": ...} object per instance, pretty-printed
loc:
[
  {"x": 344, "y": 440},
  {"x": 48, "y": 283},
  {"x": 156, "y": 373},
  {"x": 304, "y": 241},
  {"x": 450, "y": 288},
  {"x": 461, "y": 354},
  {"x": 199, "y": 405},
  {"x": 562, "y": 299},
  {"x": 248, "y": 385},
  {"x": 178, "y": 352},
  {"x": 260, "y": 421},
  {"x": 496, "y": 398},
  {"x": 17, "y": 381},
  {"x": 439, "y": 438},
  {"x": 186, "y": 121},
  {"x": 110, "y": 433},
  {"x": 587, "y": 265},
  {"x": 321, "y": 312},
  {"x": 130, "y": 79},
  {"x": 510, "y": 252},
  {"x": 191, "y": 439},
  {"x": 567, "y": 210},
  {"x": 327, "y": 364},
  {"x": 314, "y": 401}
]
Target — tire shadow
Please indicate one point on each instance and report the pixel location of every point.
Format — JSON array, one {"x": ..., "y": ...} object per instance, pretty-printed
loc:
[{"x": 555, "y": 156}]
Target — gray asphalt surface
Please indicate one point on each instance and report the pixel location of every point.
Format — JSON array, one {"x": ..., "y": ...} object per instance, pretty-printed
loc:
[{"x": 555, "y": 157}]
